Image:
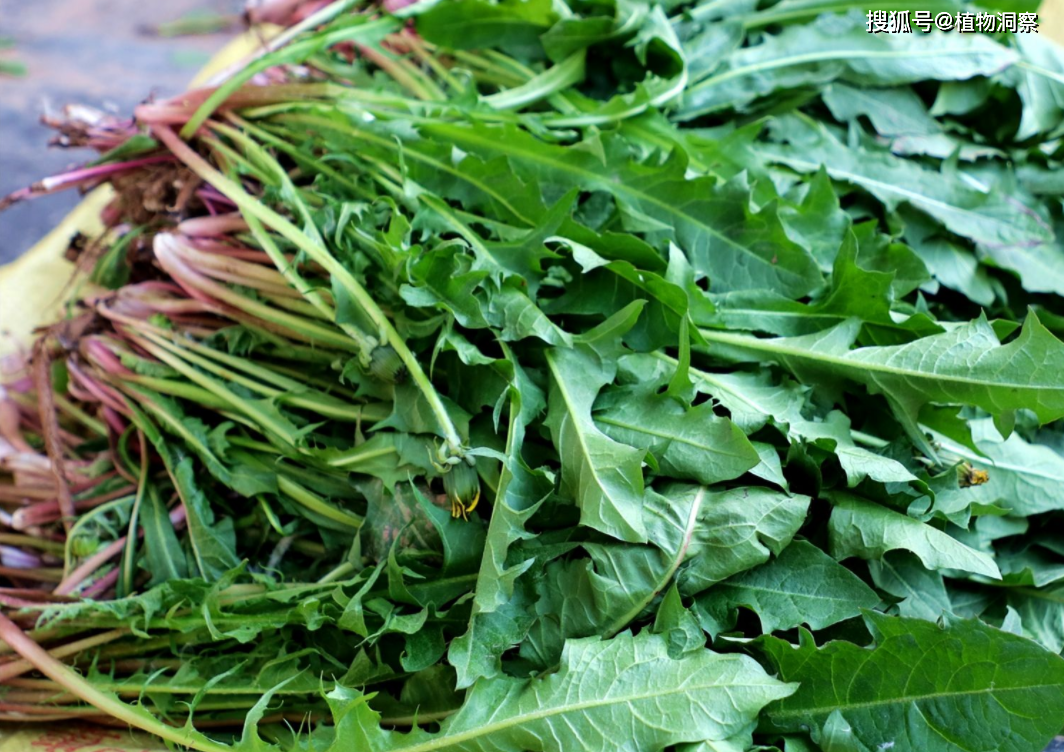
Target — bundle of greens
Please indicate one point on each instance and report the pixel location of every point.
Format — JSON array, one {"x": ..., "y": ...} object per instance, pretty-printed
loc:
[{"x": 530, "y": 375}]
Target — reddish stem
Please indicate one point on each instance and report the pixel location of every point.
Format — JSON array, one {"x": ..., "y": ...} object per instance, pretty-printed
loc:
[
  {"x": 48, "y": 511},
  {"x": 104, "y": 357},
  {"x": 178, "y": 110},
  {"x": 90, "y": 565},
  {"x": 15, "y": 668},
  {"x": 101, "y": 393},
  {"x": 210, "y": 195},
  {"x": 42, "y": 377},
  {"x": 32, "y": 575},
  {"x": 102, "y": 585},
  {"x": 212, "y": 226},
  {"x": 74, "y": 178}
]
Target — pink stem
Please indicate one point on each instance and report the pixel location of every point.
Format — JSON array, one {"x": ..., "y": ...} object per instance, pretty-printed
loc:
[
  {"x": 158, "y": 285},
  {"x": 104, "y": 357},
  {"x": 85, "y": 485},
  {"x": 44, "y": 512},
  {"x": 224, "y": 249},
  {"x": 114, "y": 420},
  {"x": 13, "y": 602},
  {"x": 79, "y": 393},
  {"x": 102, "y": 585},
  {"x": 179, "y": 109},
  {"x": 90, "y": 565},
  {"x": 12, "y": 669},
  {"x": 194, "y": 284},
  {"x": 68, "y": 179},
  {"x": 9, "y": 424},
  {"x": 104, "y": 394},
  {"x": 212, "y": 193},
  {"x": 212, "y": 226},
  {"x": 75, "y": 178},
  {"x": 16, "y": 558}
]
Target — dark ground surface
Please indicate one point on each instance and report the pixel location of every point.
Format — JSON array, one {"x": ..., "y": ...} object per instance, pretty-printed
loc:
[{"x": 90, "y": 52}]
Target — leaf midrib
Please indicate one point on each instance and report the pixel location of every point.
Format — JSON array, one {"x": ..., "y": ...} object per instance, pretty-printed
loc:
[
  {"x": 662, "y": 435},
  {"x": 754, "y": 343},
  {"x": 739, "y": 585},
  {"x": 812, "y": 57},
  {"x": 574, "y": 417},
  {"x": 509, "y": 149},
  {"x": 829, "y": 709},
  {"x": 709, "y": 379},
  {"x": 487, "y": 730},
  {"x": 912, "y": 196},
  {"x": 677, "y": 559},
  {"x": 1039, "y": 70},
  {"x": 967, "y": 454},
  {"x": 415, "y": 154}
]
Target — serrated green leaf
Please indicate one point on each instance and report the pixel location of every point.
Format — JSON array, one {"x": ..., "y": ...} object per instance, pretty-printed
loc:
[
  {"x": 1024, "y": 478},
  {"x": 954, "y": 266},
  {"x": 737, "y": 530},
  {"x": 604, "y": 477},
  {"x": 833, "y": 434},
  {"x": 620, "y": 582},
  {"x": 166, "y": 560},
  {"x": 627, "y": 682},
  {"x": 1039, "y": 80},
  {"x": 519, "y": 493},
  {"x": 514, "y": 25},
  {"x": 1021, "y": 240},
  {"x": 739, "y": 248},
  {"x": 867, "y": 530},
  {"x": 604, "y": 289},
  {"x": 679, "y": 625},
  {"x": 691, "y": 444},
  {"x": 854, "y": 293},
  {"x": 477, "y": 654},
  {"x": 802, "y": 585},
  {"x": 893, "y": 112},
  {"x": 922, "y": 591},
  {"x": 753, "y": 399},
  {"x": 840, "y": 47},
  {"x": 967, "y": 365},
  {"x": 1041, "y": 612},
  {"x": 908, "y": 691}
]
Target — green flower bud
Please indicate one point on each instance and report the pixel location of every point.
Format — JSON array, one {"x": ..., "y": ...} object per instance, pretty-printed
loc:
[
  {"x": 84, "y": 545},
  {"x": 463, "y": 489}
]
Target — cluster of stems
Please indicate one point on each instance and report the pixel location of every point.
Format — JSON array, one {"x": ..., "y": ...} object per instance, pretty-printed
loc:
[{"x": 86, "y": 420}]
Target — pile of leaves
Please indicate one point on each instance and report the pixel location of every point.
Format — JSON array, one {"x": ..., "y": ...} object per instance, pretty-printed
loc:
[{"x": 531, "y": 375}]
